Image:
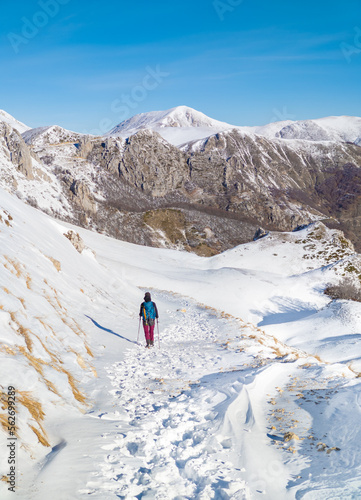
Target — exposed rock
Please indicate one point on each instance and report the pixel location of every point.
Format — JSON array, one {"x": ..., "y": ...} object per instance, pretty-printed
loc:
[
  {"x": 334, "y": 448},
  {"x": 145, "y": 161},
  {"x": 84, "y": 146},
  {"x": 231, "y": 174},
  {"x": 152, "y": 164},
  {"x": 55, "y": 263},
  {"x": 104, "y": 153},
  {"x": 172, "y": 227},
  {"x": 264, "y": 178},
  {"x": 321, "y": 446},
  {"x": 18, "y": 151},
  {"x": 289, "y": 436},
  {"x": 299, "y": 228},
  {"x": 75, "y": 240},
  {"x": 83, "y": 196},
  {"x": 260, "y": 233}
]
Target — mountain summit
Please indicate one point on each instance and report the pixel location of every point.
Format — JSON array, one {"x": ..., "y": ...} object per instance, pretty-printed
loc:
[{"x": 177, "y": 125}]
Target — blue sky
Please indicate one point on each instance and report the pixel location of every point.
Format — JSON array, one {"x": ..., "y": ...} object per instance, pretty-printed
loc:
[{"x": 87, "y": 65}]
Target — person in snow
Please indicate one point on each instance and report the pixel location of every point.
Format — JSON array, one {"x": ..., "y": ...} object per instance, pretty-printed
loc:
[{"x": 149, "y": 313}]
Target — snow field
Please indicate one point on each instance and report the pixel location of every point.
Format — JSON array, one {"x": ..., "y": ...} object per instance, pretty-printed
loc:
[
  {"x": 45, "y": 352},
  {"x": 287, "y": 304},
  {"x": 190, "y": 418},
  {"x": 209, "y": 415}
]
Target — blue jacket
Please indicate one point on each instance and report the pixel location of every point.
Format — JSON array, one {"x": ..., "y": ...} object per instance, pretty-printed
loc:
[{"x": 148, "y": 310}]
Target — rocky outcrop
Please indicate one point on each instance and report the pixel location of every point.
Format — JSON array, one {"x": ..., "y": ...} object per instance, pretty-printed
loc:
[
  {"x": 78, "y": 193},
  {"x": 153, "y": 165},
  {"x": 260, "y": 233},
  {"x": 82, "y": 196},
  {"x": 145, "y": 161},
  {"x": 85, "y": 147},
  {"x": 76, "y": 240},
  {"x": 17, "y": 150},
  {"x": 104, "y": 153}
]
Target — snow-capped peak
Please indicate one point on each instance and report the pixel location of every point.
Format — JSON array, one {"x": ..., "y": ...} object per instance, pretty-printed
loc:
[
  {"x": 184, "y": 116},
  {"x": 183, "y": 124},
  {"x": 177, "y": 125},
  {"x": 180, "y": 116},
  {"x": 13, "y": 122},
  {"x": 52, "y": 134},
  {"x": 332, "y": 128}
]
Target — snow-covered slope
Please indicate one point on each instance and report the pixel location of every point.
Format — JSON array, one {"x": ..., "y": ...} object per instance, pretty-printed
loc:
[
  {"x": 270, "y": 130},
  {"x": 47, "y": 136},
  {"x": 236, "y": 403},
  {"x": 177, "y": 125},
  {"x": 46, "y": 346},
  {"x": 257, "y": 417},
  {"x": 13, "y": 122},
  {"x": 333, "y": 128},
  {"x": 182, "y": 124}
]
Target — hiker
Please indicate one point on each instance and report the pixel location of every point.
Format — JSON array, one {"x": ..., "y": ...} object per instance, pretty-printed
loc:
[{"x": 149, "y": 313}]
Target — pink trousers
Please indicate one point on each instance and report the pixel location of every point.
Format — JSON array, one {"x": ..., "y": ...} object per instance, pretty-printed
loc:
[{"x": 149, "y": 332}]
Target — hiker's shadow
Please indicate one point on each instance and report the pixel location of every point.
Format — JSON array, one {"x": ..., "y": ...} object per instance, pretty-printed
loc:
[{"x": 108, "y": 330}]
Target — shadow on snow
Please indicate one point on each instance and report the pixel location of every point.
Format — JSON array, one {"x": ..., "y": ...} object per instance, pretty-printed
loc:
[
  {"x": 108, "y": 330},
  {"x": 287, "y": 317}
]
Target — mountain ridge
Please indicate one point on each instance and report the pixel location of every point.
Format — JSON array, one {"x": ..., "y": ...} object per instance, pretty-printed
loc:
[
  {"x": 205, "y": 195},
  {"x": 332, "y": 128},
  {"x": 191, "y": 125}
]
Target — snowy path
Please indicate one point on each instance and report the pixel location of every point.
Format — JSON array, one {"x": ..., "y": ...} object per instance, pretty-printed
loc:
[
  {"x": 169, "y": 441},
  {"x": 183, "y": 414},
  {"x": 204, "y": 417}
]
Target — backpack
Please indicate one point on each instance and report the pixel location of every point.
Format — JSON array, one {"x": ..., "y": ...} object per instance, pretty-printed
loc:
[{"x": 148, "y": 311}]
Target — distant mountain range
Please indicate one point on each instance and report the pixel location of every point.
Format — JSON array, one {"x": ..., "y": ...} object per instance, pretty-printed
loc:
[
  {"x": 182, "y": 124},
  {"x": 180, "y": 179}
]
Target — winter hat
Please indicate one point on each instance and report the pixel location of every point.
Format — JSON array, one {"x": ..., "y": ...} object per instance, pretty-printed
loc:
[{"x": 147, "y": 297}]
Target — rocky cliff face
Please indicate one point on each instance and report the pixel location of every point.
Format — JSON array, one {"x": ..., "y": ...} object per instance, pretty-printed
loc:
[
  {"x": 277, "y": 182},
  {"x": 16, "y": 150},
  {"x": 145, "y": 161},
  {"x": 205, "y": 197}
]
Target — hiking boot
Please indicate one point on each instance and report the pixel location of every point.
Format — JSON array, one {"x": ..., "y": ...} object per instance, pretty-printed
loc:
[
  {"x": 148, "y": 343},
  {"x": 152, "y": 343}
]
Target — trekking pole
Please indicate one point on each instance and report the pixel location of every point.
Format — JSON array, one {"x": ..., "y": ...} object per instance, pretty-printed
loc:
[
  {"x": 158, "y": 333},
  {"x": 138, "y": 330}
]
